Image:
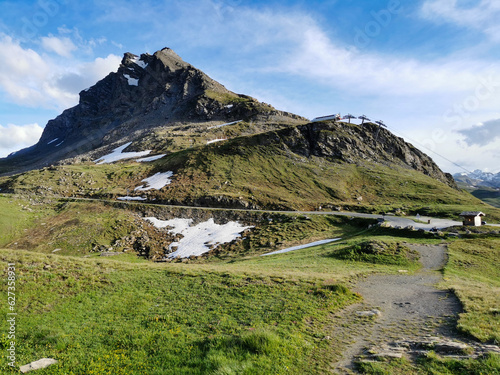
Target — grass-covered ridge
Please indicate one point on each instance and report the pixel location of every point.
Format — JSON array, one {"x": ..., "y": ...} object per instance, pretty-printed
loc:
[
  {"x": 435, "y": 365},
  {"x": 473, "y": 273},
  {"x": 490, "y": 196},
  {"x": 378, "y": 252},
  {"x": 256, "y": 172}
]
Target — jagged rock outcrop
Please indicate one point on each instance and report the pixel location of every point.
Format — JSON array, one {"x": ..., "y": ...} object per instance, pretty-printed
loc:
[
  {"x": 356, "y": 143},
  {"x": 146, "y": 92}
]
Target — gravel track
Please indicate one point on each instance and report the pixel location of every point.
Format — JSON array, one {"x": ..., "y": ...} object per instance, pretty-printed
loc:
[{"x": 410, "y": 308}]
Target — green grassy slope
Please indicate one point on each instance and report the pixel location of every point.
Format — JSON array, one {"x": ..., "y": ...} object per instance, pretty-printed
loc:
[
  {"x": 473, "y": 273},
  {"x": 489, "y": 196},
  {"x": 18, "y": 215},
  {"x": 68, "y": 228},
  {"x": 261, "y": 315},
  {"x": 100, "y": 317},
  {"x": 242, "y": 314}
]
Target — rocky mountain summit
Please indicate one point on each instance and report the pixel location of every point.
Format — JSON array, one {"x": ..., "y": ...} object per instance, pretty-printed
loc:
[
  {"x": 147, "y": 92},
  {"x": 158, "y": 105},
  {"x": 354, "y": 144}
]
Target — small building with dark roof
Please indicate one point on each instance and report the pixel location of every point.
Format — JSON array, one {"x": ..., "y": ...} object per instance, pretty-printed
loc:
[{"x": 472, "y": 218}]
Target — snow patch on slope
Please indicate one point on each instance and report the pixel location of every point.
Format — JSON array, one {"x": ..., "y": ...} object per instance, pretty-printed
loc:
[
  {"x": 118, "y": 154},
  {"x": 216, "y": 140},
  {"x": 131, "y": 81},
  {"x": 128, "y": 198},
  {"x": 139, "y": 62},
  {"x": 226, "y": 124},
  {"x": 156, "y": 181},
  {"x": 200, "y": 238},
  {"x": 151, "y": 158}
]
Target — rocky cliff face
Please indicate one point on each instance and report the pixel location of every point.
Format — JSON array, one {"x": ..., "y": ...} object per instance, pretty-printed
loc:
[
  {"x": 147, "y": 91},
  {"x": 357, "y": 143}
]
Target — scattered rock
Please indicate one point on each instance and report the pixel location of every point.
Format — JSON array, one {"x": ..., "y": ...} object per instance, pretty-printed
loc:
[
  {"x": 386, "y": 351},
  {"x": 388, "y": 355},
  {"x": 373, "y": 312},
  {"x": 37, "y": 365},
  {"x": 451, "y": 347},
  {"x": 444, "y": 347},
  {"x": 491, "y": 349},
  {"x": 109, "y": 253}
]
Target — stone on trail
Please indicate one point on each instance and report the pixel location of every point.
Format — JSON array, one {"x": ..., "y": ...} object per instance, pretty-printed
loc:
[
  {"x": 37, "y": 365},
  {"x": 373, "y": 312},
  {"x": 451, "y": 347},
  {"x": 388, "y": 355}
]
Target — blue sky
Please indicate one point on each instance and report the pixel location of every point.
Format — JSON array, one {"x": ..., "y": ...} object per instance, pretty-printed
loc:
[{"x": 428, "y": 68}]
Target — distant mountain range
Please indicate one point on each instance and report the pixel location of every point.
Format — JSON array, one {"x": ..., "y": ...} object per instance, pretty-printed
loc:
[{"x": 478, "y": 178}]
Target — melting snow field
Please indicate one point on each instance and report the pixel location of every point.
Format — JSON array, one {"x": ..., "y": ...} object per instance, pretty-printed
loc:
[
  {"x": 118, "y": 154},
  {"x": 216, "y": 140},
  {"x": 151, "y": 158},
  {"x": 322, "y": 242},
  {"x": 139, "y": 62},
  {"x": 229, "y": 123},
  {"x": 131, "y": 81},
  {"x": 157, "y": 181},
  {"x": 127, "y": 198},
  {"x": 200, "y": 238}
]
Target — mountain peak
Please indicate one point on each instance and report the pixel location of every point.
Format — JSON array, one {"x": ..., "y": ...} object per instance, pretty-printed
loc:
[
  {"x": 167, "y": 54},
  {"x": 146, "y": 92}
]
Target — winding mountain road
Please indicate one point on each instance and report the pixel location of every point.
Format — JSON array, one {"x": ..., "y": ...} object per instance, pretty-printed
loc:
[{"x": 425, "y": 223}]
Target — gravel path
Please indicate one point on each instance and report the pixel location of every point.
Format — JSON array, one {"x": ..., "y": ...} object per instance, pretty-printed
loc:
[{"x": 406, "y": 307}]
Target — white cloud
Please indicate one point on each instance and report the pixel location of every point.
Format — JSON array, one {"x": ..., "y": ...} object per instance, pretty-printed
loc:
[
  {"x": 318, "y": 57},
  {"x": 62, "y": 46},
  {"x": 34, "y": 80},
  {"x": 293, "y": 43},
  {"x": 16, "y": 137},
  {"x": 261, "y": 49},
  {"x": 483, "y": 134},
  {"x": 482, "y": 17},
  {"x": 410, "y": 94}
]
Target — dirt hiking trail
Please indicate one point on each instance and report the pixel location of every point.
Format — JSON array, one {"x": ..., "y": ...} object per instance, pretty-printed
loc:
[{"x": 398, "y": 312}]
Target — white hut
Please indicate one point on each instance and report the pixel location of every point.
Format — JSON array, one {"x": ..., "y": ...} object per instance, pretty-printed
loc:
[{"x": 472, "y": 218}]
